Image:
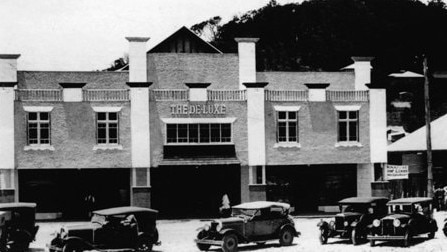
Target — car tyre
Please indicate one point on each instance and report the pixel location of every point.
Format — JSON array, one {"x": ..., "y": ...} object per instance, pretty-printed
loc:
[
  {"x": 355, "y": 238},
  {"x": 72, "y": 247},
  {"x": 229, "y": 243},
  {"x": 407, "y": 238},
  {"x": 202, "y": 247},
  {"x": 144, "y": 245},
  {"x": 323, "y": 236},
  {"x": 286, "y": 236}
]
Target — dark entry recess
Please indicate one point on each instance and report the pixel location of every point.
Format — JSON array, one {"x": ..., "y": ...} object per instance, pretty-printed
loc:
[
  {"x": 198, "y": 151},
  {"x": 65, "y": 191},
  {"x": 193, "y": 191},
  {"x": 307, "y": 187}
]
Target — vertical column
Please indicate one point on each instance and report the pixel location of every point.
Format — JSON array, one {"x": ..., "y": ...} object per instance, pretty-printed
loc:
[
  {"x": 365, "y": 176},
  {"x": 362, "y": 71},
  {"x": 247, "y": 60},
  {"x": 8, "y": 79},
  {"x": 256, "y": 140},
  {"x": 139, "y": 116}
]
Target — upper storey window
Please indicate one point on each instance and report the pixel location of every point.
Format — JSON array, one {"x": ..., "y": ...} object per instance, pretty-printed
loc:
[
  {"x": 348, "y": 126},
  {"x": 107, "y": 128},
  {"x": 287, "y": 126},
  {"x": 198, "y": 133},
  {"x": 38, "y": 128}
]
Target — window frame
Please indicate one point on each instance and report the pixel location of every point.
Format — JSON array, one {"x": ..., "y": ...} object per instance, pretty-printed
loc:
[
  {"x": 347, "y": 109},
  {"x": 107, "y": 122},
  {"x": 38, "y": 123},
  {"x": 198, "y": 142}
]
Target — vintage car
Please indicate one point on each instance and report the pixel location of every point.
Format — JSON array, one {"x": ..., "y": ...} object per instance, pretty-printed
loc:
[
  {"x": 258, "y": 222},
  {"x": 124, "y": 228},
  {"x": 21, "y": 227},
  {"x": 408, "y": 217},
  {"x": 355, "y": 215}
]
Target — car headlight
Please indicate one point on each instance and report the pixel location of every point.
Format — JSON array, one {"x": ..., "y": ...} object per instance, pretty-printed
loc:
[
  {"x": 63, "y": 233},
  {"x": 332, "y": 224},
  {"x": 396, "y": 223},
  {"x": 219, "y": 226},
  {"x": 206, "y": 227},
  {"x": 376, "y": 223},
  {"x": 346, "y": 223}
]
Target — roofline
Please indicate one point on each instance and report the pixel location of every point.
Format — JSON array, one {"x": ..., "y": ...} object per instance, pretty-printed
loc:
[{"x": 55, "y": 71}]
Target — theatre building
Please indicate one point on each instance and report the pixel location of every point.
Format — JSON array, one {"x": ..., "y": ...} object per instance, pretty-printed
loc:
[{"x": 185, "y": 125}]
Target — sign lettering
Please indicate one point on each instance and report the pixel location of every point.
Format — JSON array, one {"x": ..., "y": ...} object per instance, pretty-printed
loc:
[
  {"x": 396, "y": 172},
  {"x": 199, "y": 109}
]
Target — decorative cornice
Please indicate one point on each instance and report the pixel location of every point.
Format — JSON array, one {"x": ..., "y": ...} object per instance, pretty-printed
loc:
[
  {"x": 72, "y": 84},
  {"x": 197, "y": 84},
  {"x": 255, "y": 84},
  {"x": 246, "y": 40},
  {"x": 317, "y": 85},
  {"x": 137, "y": 39},
  {"x": 138, "y": 84},
  {"x": 9, "y": 56},
  {"x": 8, "y": 84},
  {"x": 362, "y": 58}
]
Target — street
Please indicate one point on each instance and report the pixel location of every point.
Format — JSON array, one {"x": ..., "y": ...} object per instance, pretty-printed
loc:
[{"x": 178, "y": 235}]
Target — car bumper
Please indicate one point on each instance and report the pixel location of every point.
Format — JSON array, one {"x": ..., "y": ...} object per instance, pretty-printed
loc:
[
  {"x": 385, "y": 237},
  {"x": 209, "y": 242}
]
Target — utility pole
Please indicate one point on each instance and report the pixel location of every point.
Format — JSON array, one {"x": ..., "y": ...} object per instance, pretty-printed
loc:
[{"x": 428, "y": 130}]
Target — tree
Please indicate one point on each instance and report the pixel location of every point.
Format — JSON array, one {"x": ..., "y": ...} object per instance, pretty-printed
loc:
[
  {"x": 119, "y": 63},
  {"x": 208, "y": 29}
]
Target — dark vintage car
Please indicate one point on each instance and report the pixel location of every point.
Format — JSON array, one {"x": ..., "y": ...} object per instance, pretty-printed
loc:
[
  {"x": 408, "y": 217},
  {"x": 258, "y": 222},
  {"x": 21, "y": 228},
  {"x": 355, "y": 215},
  {"x": 132, "y": 228}
]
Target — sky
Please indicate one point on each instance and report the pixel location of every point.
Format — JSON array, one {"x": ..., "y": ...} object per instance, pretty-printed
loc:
[{"x": 86, "y": 35}]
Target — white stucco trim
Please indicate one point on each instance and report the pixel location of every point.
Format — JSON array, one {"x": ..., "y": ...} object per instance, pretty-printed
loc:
[
  {"x": 348, "y": 107},
  {"x": 287, "y": 145},
  {"x": 107, "y": 109},
  {"x": 38, "y": 147},
  {"x": 199, "y": 120},
  {"x": 348, "y": 144},
  {"x": 287, "y": 108},
  {"x": 107, "y": 147},
  {"x": 38, "y": 108}
]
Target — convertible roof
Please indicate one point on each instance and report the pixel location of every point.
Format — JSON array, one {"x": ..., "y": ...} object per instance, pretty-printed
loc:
[
  {"x": 17, "y": 205},
  {"x": 261, "y": 204},
  {"x": 360, "y": 200},
  {"x": 124, "y": 210},
  {"x": 409, "y": 201}
]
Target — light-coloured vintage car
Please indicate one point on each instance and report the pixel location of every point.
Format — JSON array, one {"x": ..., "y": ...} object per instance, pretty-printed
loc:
[{"x": 258, "y": 222}]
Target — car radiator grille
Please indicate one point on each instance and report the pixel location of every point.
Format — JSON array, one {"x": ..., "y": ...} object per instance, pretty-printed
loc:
[
  {"x": 388, "y": 228},
  {"x": 339, "y": 223}
]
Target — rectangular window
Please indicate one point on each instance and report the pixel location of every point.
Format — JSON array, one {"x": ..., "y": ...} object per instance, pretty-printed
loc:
[
  {"x": 38, "y": 128},
  {"x": 198, "y": 133},
  {"x": 107, "y": 128},
  {"x": 348, "y": 126},
  {"x": 287, "y": 126}
]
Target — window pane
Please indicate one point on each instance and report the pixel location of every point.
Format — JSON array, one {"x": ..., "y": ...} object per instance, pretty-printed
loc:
[
  {"x": 32, "y": 134},
  {"x": 215, "y": 132},
  {"x": 281, "y": 115},
  {"x": 32, "y": 116},
  {"x": 342, "y": 114},
  {"x": 101, "y": 116},
  {"x": 44, "y": 116},
  {"x": 101, "y": 135},
  {"x": 113, "y": 116},
  {"x": 113, "y": 133},
  {"x": 182, "y": 133},
  {"x": 101, "y": 125},
  {"x": 292, "y": 132},
  {"x": 352, "y": 131},
  {"x": 226, "y": 132},
  {"x": 292, "y": 115},
  {"x": 352, "y": 114},
  {"x": 113, "y": 125},
  {"x": 44, "y": 133},
  {"x": 342, "y": 131},
  {"x": 32, "y": 125},
  {"x": 204, "y": 133},
  {"x": 282, "y": 137},
  {"x": 193, "y": 133},
  {"x": 258, "y": 174},
  {"x": 171, "y": 133}
]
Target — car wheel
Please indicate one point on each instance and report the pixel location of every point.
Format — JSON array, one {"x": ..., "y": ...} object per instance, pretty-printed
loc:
[
  {"x": 229, "y": 243},
  {"x": 372, "y": 243},
  {"x": 323, "y": 236},
  {"x": 72, "y": 247},
  {"x": 202, "y": 247},
  {"x": 355, "y": 238},
  {"x": 407, "y": 238},
  {"x": 286, "y": 237},
  {"x": 445, "y": 230},
  {"x": 144, "y": 245},
  {"x": 18, "y": 247}
]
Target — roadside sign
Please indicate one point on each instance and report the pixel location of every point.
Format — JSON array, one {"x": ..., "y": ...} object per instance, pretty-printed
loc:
[{"x": 396, "y": 172}]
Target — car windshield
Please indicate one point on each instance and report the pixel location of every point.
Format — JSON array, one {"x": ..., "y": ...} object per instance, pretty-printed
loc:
[
  {"x": 400, "y": 208},
  {"x": 358, "y": 208},
  {"x": 238, "y": 212},
  {"x": 100, "y": 219}
]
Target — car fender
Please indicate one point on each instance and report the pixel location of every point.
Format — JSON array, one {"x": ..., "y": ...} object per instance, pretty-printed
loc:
[
  {"x": 227, "y": 231},
  {"x": 323, "y": 225},
  {"x": 78, "y": 240},
  {"x": 295, "y": 233}
]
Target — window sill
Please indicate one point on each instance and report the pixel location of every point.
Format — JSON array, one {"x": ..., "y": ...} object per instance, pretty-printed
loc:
[
  {"x": 287, "y": 145},
  {"x": 38, "y": 147},
  {"x": 108, "y": 147},
  {"x": 348, "y": 144}
]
